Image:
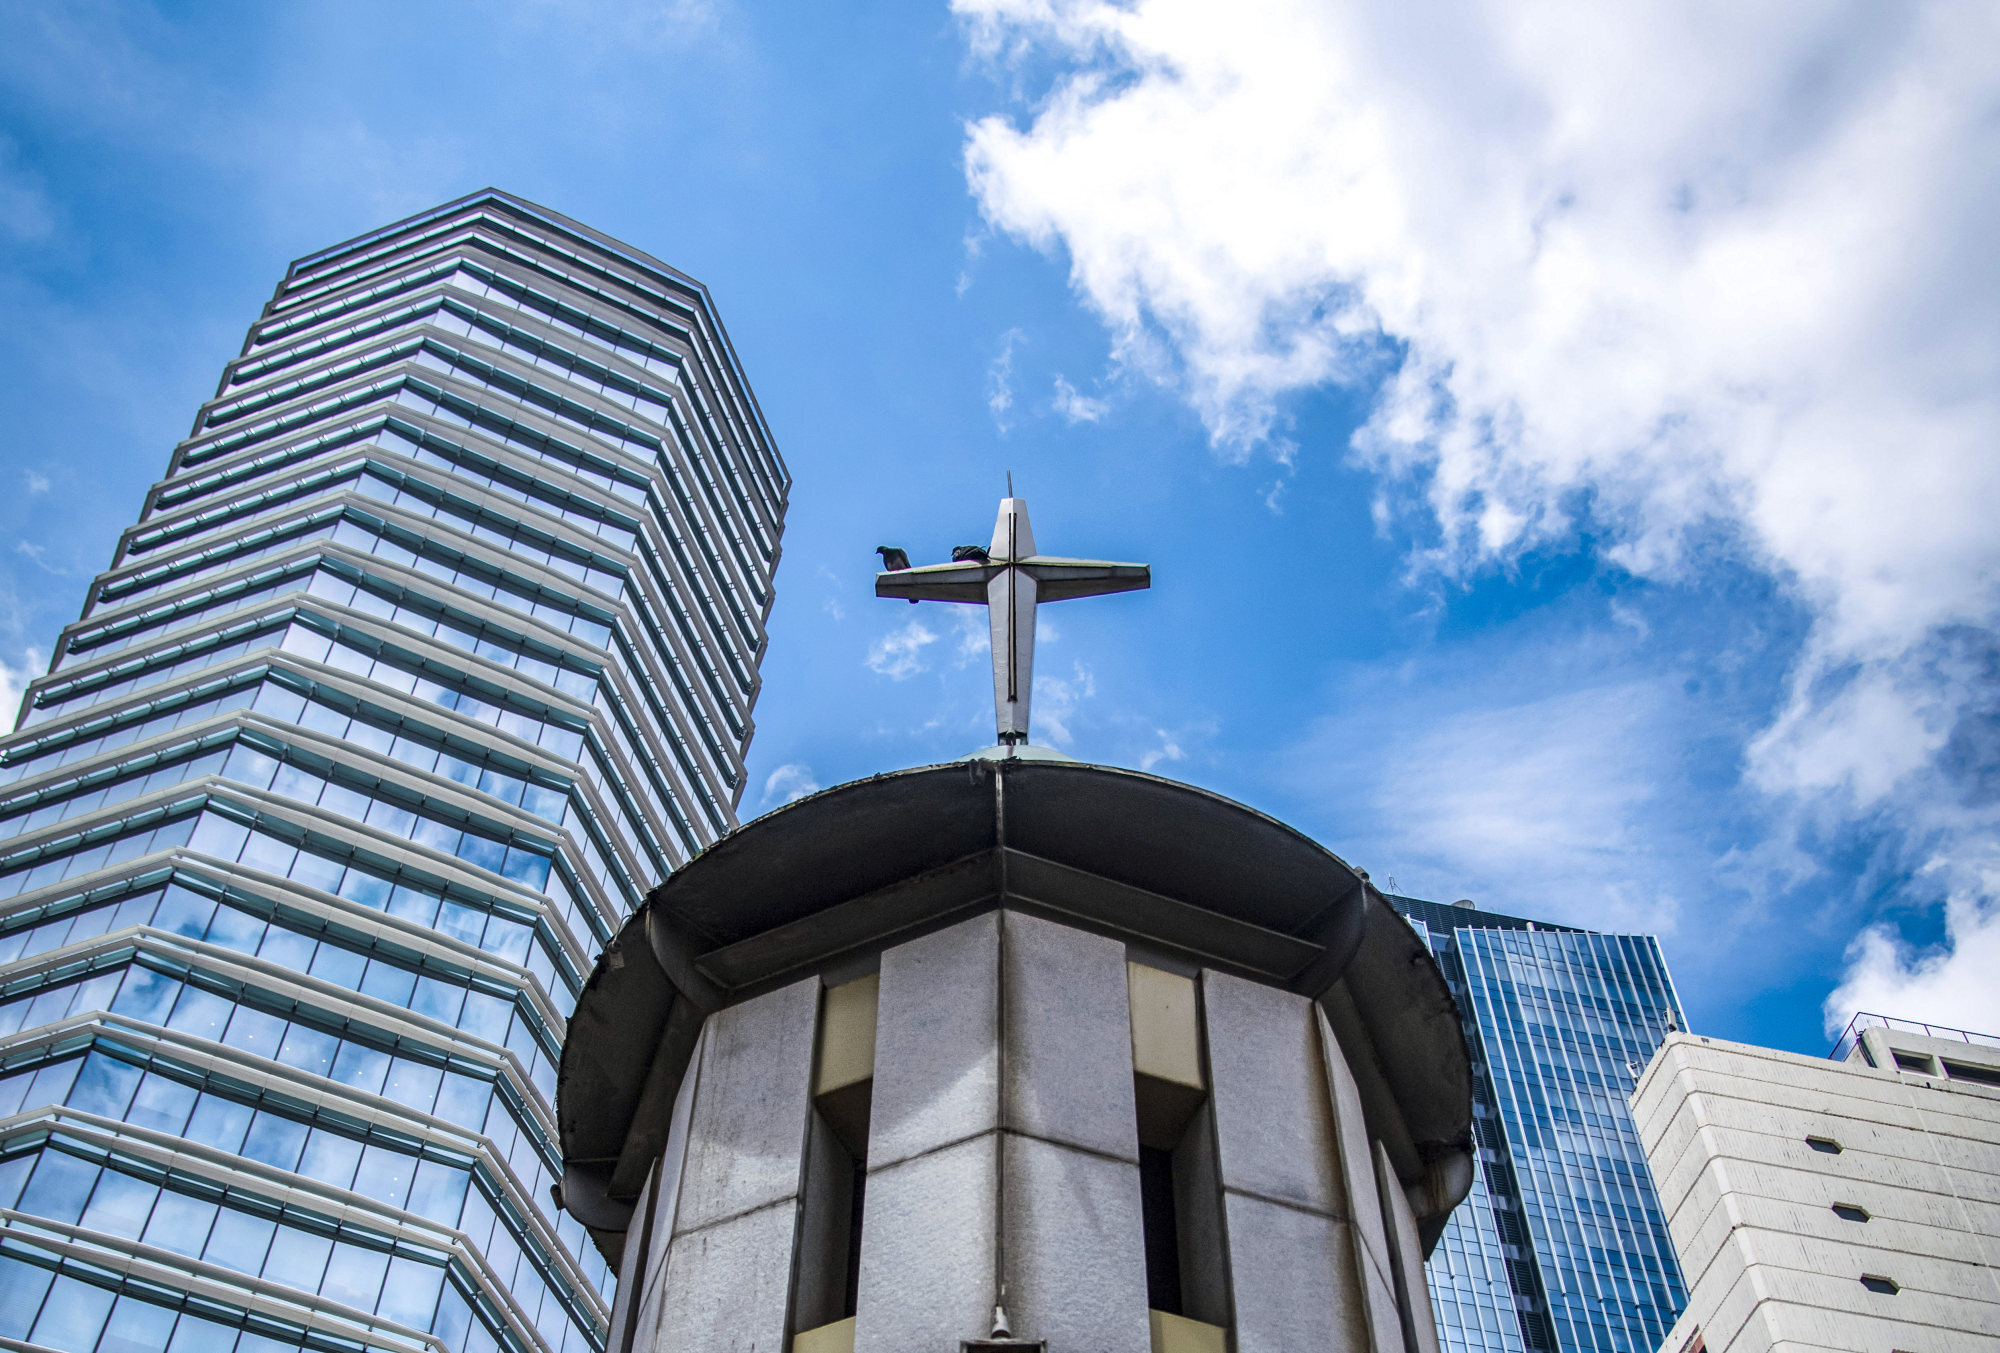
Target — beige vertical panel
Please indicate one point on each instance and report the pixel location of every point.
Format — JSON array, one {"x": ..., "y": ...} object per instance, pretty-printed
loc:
[
  {"x": 1357, "y": 1169},
  {"x": 843, "y": 1079},
  {"x": 847, "y": 1034},
  {"x": 735, "y": 1220},
  {"x": 1406, "y": 1255},
  {"x": 1166, "y": 1053}
]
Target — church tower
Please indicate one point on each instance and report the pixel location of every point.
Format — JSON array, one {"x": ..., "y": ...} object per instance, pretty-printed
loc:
[{"x": 1016, "y": 1052}]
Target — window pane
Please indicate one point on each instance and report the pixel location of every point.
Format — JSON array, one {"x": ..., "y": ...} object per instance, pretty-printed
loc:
[
  {"x": 145, "y": 995},
  {"x": 354, "y": 1275},
  {"x": 299, "y": 1259},
  {"x": 362, "y": 1067},
  {"x": 439, "y": 1192},
  {"x": 255, "y": 1032},
  {"x": 22, "y": 1287},
  {"x": 330, "y": 1157},
  {"x": 201, "y": 1013},
  {"x": 119, "y": 1204},
  {"x": 105, "y": 1086},
  {"x": 59, "y": 1187},
  {"x": 410, "y": 1294},
  {"x": 275, "y": 1141},
  {"x": 180, "y": 1223},
  {"x": 162, "y": 1103},
  {"x": 239, "y": 1241},
  {"x": 72, "y": 1316},
  {"x": 413, "y": 1083},
  {"x": 136, "y": 1327},
  {"x": 385, "y": 1175},
  {"x": 195, "y": 1335},
  {"x": 308, "y": 1049},
  {"x": 220, "y": 1122}
]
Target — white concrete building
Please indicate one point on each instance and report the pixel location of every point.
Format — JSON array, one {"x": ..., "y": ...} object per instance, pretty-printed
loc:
[{"x": 1830, "y": 1204}]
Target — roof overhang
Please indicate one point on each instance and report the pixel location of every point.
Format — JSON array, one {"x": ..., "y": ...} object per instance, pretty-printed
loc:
[{"x": 1189, "y": 879}]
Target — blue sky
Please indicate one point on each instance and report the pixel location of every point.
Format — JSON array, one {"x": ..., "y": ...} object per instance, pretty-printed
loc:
[{"x": 1565, "y": 447}]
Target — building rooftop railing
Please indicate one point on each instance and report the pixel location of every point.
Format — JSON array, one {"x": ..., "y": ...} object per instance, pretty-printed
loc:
[{"x": 1864, "y": 1020}]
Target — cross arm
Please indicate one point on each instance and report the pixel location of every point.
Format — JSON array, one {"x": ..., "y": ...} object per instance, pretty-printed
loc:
[
  {"x": 937, "y": 582},
  {"x": 1063, "y": 579}
]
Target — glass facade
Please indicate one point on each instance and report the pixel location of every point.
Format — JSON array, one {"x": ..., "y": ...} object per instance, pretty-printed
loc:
[
  {"x": 1561, "y": 1247},
  {"x": 436, "y": 647}
]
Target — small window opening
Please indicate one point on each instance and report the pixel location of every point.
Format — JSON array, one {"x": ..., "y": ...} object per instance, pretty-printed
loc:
[
  {"x": 1163, "y": 1240},
  {"x": 827, "y": 1280},
  {"x": 1966, "y": 1071},
  {"x": 1826, "y": 1144},
  {"x": 1911, "y": 1061},
  {"x": 1875, "y": 1282},
  {"x": 1180, "y": 1192},
  {"x": 1849, "y": 1212}
]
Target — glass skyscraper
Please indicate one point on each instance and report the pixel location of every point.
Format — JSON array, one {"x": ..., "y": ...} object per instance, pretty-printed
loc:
[
  {"x": 1562, "y": 1246},
  {"x": 435, "y": 648}
]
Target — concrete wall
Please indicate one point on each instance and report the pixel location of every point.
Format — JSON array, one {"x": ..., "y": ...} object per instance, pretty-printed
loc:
[
  {"x": 1729, "y": 1133},
  {"x": 1002, "y": 1167}
]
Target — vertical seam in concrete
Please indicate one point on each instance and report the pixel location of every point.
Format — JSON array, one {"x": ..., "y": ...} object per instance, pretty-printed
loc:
[
  {"x": 1930, "y": 1139},
  {"x": 1001, "y": 1067},
  {"x": 1000, "y": 1110}
]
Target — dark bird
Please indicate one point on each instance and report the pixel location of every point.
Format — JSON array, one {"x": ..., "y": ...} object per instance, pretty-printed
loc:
[
  {"x": 962, "y": 553},
  {"x": 894, "y": 557}
]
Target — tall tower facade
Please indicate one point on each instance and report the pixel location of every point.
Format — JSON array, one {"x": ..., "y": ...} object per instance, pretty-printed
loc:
[
  {"x": 435, "y": 647},
  {"x": 1563, "y": 1246}
]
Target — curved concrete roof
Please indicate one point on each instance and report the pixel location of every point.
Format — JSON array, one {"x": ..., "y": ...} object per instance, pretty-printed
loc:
[{"x": 1188, "y": 878}]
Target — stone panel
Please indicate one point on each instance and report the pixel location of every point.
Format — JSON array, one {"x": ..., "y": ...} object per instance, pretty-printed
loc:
[
  {"x": 747, "y": 1135},
  {"x": 1068, "y": 1061},
  {"x": 1273, "y": 1115},
  {"x": 1293, "y": 1279},
  {"x": 1357, "y": 1171},
  {"x": 927, "y": 1260},
  {"x": 728, "y": 1284},
  {"x": 666, "y": 1196},
  {"x": 937, "y": 1041},
  {"x": 1406, "y": 1256},
  {"x": 1076, "y": 1261}
]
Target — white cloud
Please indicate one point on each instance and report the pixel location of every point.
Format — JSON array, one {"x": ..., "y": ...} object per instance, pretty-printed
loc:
[
  {"x": 1714, "y": 281},
  {"x": 1056, "y": 703},
  {"x": 1549, "y": 803},
  {"x": 1075, "y": 407},
  {"x": 14, "y": 682},
  {"x": 1000, "y": 378},
  {"x": 794, "y": 780},
  {"x": 1168, "y": 750},
  {"x": 35, "y": 482},
  {"x": 1950, "y": 985},
  {"x": 900, "y": 655},
  {"x": 975, "y": 634}
]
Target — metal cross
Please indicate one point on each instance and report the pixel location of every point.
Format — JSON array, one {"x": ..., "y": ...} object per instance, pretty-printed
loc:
[{"x": 1010, "y": 579}]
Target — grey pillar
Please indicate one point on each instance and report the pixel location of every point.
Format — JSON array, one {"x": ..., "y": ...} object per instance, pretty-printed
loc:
[
  {"x": 1294, "y": 1280},
  {"x": 1074, "y": 1234},
  {"x": 927, "y": 1234},
  {"x": 1003, "y": 1146},
  {"x": 1367, "y": 1233},
  {"x": 734, "y": 1215}
]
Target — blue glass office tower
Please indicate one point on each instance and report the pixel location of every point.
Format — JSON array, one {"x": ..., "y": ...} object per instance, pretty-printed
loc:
[
  {"x": 435, "y": 647},
  {"x": 1562, "y": 1246}
]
